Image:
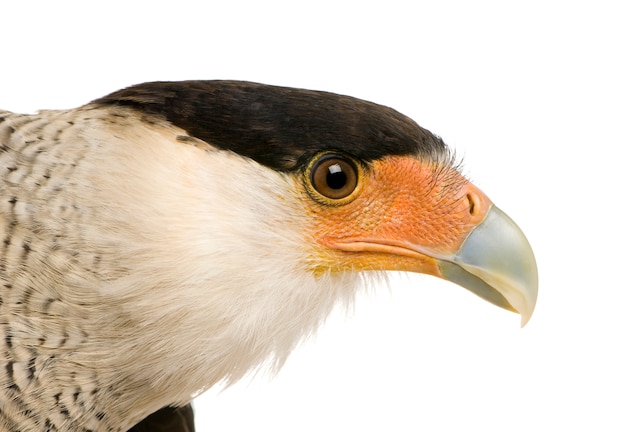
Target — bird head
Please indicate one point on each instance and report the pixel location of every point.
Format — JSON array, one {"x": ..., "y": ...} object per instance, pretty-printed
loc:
[
  {"x": 372, "y": 189},
  {"x": 174, "y": 235}
]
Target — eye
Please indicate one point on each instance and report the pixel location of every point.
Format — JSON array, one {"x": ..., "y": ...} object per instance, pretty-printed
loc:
[{"x": 334, "y": 176}]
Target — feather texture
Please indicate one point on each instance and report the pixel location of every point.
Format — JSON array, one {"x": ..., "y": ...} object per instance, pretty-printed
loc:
[{"x": 162, "y": 268}]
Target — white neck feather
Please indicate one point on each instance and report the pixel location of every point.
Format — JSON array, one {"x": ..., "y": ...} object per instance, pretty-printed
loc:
[
  {"x": 162, "y": 267},
  {"x": 212, "y": 260}
]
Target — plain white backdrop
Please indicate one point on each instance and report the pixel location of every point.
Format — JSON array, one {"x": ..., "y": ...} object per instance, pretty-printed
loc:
[{"x": 531, "y": 94}]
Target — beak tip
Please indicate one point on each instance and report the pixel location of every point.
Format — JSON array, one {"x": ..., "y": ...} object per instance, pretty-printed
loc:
[
  {"x": 531, "y": 287},
  {"x": 531, "y": 300},
  {"x": 525, "y": 318}
]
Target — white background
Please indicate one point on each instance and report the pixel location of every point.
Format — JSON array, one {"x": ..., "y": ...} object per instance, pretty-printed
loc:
[{"x": 532, "y": 95}]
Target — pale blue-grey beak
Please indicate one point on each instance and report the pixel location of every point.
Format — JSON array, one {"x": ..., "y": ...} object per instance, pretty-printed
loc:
[{"x": 497, "y": 263}]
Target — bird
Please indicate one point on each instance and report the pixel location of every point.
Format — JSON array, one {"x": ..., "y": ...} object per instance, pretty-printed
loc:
[{"x": 176, "y": 235}]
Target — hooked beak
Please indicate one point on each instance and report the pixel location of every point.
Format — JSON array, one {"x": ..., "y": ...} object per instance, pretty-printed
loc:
[{"x": 496, "y": 263}]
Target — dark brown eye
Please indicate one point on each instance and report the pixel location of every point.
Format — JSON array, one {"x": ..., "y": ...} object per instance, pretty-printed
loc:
[{"x": 334, "y": 176}]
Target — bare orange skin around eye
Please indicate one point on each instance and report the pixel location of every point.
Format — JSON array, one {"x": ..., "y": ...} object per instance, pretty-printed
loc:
[{"x": 405, "y": 209}]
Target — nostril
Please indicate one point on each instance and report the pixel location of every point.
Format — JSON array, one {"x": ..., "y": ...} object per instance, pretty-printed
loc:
[{"x": 471, "y": 203}]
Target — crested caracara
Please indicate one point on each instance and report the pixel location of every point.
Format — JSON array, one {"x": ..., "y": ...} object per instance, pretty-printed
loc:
[{"x": 175, "y": 235}]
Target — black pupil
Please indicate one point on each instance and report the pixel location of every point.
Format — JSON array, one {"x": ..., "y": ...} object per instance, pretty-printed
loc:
[{"x": 336, "y": 177}]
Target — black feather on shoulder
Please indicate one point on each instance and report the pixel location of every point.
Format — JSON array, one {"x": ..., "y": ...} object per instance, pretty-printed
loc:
[
  {"x": 277, "y": 126},
  {"x": 168, "y": 419}
]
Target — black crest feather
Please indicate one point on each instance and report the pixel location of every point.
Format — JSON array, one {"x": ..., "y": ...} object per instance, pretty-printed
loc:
[{"x": 277, "y": 126}]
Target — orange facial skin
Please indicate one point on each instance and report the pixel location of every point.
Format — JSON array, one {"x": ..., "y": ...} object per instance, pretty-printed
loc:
[{"x": 404, "y": 214}]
